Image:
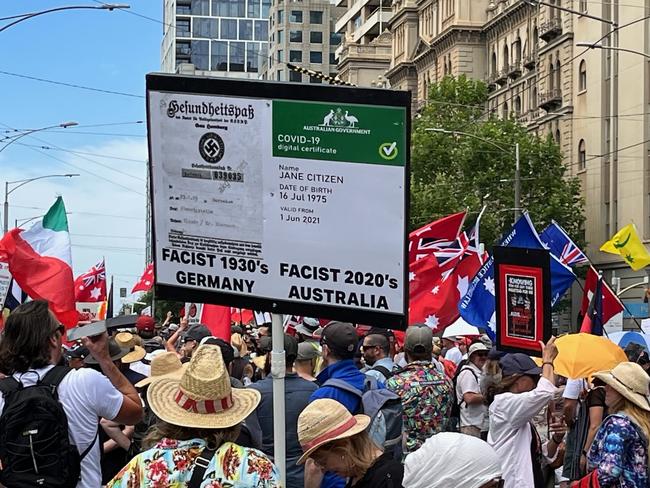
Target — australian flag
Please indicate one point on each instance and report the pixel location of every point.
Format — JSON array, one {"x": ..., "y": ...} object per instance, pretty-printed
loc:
[
  {"x": 478, "y": 306},
  {"x": 560, "y": 244}
]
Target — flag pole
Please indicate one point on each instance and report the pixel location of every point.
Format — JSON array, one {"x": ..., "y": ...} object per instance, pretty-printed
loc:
[{"x": 278, "y": 370}]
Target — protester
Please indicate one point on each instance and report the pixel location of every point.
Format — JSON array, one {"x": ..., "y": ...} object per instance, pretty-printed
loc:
[
  {"x": 29, "y": 349},
  {"x": 452, "y": 460},
  {"x": 425, "y": 391},
  {"x": 228, "y": 356},
  {"x": 296, "y": 394},
  {"x": 199, "y": 419},
  {"x": 451, "y": 350},
  {"x": 618, "y": 456},
  {"x": 135, "y": 354},
  {"x": 594, "y": 412},
  {"x": 310, "y": 331},
  {"x": 146, "y": 326},
  {"x": 337, "y": 442},
  {"x": 75, "y": 355},
  {"x": 376, "y": 350},
  {"x": 305, "y": 363},
  {"x": 514, "y": 402},
  {"x": 572, "y": 405},
  {"x": 473, "y": 418}
]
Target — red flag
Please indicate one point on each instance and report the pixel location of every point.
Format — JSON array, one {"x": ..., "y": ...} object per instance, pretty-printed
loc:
[
  {"x": 241, "y": 315},
  {"x": 91, "y": 286},
  {"x": 217, "y": 319},
  {"x": 440, "y": 232},
  {"x": 146, "y": 280},
  {"x": 436, "y": 304},
  {"x": 611, "y": 305}
]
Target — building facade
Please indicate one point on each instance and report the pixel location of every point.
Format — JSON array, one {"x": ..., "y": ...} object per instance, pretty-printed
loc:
[
  {"x": 227, "y": 38},
  {"x": 302, "y": 33}
]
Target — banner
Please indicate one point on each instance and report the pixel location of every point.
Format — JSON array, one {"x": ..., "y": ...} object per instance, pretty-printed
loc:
[
  {"x": 282, "y": 199},
  {"x": 5, "y": 283}
]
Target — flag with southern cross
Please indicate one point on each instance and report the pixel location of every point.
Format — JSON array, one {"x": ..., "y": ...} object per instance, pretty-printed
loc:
[{"x": 555, "y": 238}]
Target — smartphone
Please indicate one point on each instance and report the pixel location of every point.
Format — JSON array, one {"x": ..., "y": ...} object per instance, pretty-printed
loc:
[{"x": 94, "y": 329}]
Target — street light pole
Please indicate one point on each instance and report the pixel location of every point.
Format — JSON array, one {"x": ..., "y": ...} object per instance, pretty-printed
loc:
[
  {"x": 517, "y": 179},
  {"x": 23, "y": 17},
  {"x": 22, "y": 183},
  {"x": 27, "y": 132}
]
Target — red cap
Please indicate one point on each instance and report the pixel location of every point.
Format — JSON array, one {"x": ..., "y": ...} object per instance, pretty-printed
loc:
[{"x": 145, "y": 323}]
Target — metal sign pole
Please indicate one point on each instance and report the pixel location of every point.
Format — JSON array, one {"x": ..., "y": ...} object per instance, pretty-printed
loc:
[{"x": 278, "y": 369}]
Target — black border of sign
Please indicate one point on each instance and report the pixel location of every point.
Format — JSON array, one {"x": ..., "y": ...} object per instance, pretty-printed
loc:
[
  {"x": 533, "y": 258},
  {"x": 286, "y": 91}
]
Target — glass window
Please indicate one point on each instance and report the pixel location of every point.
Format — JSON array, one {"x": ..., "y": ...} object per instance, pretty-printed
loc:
[
  {"x": 219, "y": 60},
  {"x": 228, "y": 29},
  {"x": 280, "y": 75},
  {"x": 335, "y": 38},
  {"x": 582, "y": 155},
  {"x": 183, "y": 48},
  {"x": 582, "y": 76},
  {"x": 316, "y": 37},
  {"x": 252, "y": 57},
  {"x": 280, "y": 56},
  {"x": 295, "y": 76},
  {"x": 200, "y": 7},
  {"x": 254, "y": 9},
  {"x": 315, "y": 17},
  {"x": 246, "y": 30},
  {"x": 261, "y": 30},
  {"x": 280, "y": 16},
  {"x": 183, "y": 9},
  {"x": 315, "y": 57},
  {"x": 202, "y": 27},
  {"x": 295, "y": 36},
  {"x": 313, "y": 79},
  {"x": 280, "y": 37},
  {"x": 295, "y": 56},
  {"x": 332, "y": 58},
  {"x": 199, "y": 56},
  {"x": 183, "y": 27},
  {"x": 266, "y": 6},
  {"x": 237, "y": 52},
  {"x": 228, "y": 8},
  {"x": 296, "y": 16}
]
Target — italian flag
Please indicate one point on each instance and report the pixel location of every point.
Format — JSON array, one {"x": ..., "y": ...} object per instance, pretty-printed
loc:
[{"x": 41, "y": 262}]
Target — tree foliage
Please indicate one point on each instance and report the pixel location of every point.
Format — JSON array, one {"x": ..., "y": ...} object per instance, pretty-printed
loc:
[
  {"x": 450, "y": 173},
  {"x": 161, "y": 308}
]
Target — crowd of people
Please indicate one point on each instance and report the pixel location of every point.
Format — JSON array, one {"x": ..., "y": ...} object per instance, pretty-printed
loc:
[{"x": 169, "y": 405}]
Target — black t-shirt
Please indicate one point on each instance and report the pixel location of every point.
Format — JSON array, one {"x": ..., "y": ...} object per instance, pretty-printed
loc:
[{"x": 386, "y": 472}]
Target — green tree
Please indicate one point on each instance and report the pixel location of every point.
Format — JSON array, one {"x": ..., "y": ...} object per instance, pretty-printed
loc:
[
  {"x": 450, "y": 173},
  {"x": 162, "y": 306}
]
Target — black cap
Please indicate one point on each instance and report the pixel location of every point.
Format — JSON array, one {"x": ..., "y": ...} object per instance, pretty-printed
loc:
[
  {"x": 197, "y": 333},
  {"x": 78, "y": 351},
  {"x": 519, "y": 363},
  {"x": 290, "y": 348},
  {"x": 341, "y": 338},
  {"x": 227, "y": 351},
  {"x": 266, "y": 344}
]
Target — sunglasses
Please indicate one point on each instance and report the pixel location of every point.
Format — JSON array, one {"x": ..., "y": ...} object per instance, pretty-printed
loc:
[{"x": 368, "y": 346}]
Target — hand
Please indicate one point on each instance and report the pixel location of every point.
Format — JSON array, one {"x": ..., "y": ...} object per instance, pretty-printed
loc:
[
  {"x": 169, "y": 315},
  {"x": 583, "y": 463},
  {"x": 557, "y": 428},
  {"x": 549, "y": 350},
  {"x": 184, "y": 324},
  {"x": 97, "y": 346}
]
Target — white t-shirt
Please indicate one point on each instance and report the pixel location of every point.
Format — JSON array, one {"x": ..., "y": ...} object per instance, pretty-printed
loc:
[
  {"x": 85, "y": 395},
  {"x": 454, "y": 355},
  {"x": 470, "y": 383},
  {"x": 574, "y": 388}
]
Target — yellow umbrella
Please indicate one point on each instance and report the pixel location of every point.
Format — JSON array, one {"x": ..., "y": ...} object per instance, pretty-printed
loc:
[{"x": 581, "y": 355}]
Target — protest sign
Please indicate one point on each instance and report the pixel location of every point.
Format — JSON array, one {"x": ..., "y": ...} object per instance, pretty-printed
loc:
[
  {"x": 523, "y": 298},
  {"x": 280, "y": 197},
  {"x": 5, "y": 283}
]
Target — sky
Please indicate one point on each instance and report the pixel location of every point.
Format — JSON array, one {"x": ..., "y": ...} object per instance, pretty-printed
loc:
[{"x": 97, "y": 49}]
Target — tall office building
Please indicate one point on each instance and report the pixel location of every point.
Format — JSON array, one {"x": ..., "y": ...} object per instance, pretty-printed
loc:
[
  {"x": 302, "y": 33},
  {"x": 227, "y": 38}
]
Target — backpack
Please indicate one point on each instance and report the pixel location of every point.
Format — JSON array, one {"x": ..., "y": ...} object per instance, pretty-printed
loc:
[
  {"x": 35, "y": 448},
  {"x": 455, "y": 404},
  {"x": 383, "y": 370},
  {"x": 384, "y": 407}
]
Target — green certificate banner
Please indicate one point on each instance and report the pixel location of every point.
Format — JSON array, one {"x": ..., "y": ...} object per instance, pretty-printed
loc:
[{"x": 339, "y": 132}]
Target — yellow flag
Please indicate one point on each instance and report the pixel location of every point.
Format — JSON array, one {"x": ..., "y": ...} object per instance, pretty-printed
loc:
[{"x": 626, "y": 242}]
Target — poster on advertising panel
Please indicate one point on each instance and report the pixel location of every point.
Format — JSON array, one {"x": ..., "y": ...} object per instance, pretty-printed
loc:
[
  {"x": 282, "y": 198},
  {"x": 523, "y": 299}
]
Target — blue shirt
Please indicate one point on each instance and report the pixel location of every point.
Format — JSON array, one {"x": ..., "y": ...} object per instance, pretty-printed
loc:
[
  {"x": 378, "y": 375},
  {"x": 344, "y": 370},
  {"x": 296, "y": 394}
]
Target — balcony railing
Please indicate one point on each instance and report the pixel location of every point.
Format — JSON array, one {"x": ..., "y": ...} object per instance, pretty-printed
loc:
[
  {"x": 514, "y": 70},
  {"x": 523, "y": 118},
  {"x": 530, "y": 60},
  {"x": 551, "y": 99},
  {"x": 550, "y": 29},
  {"x": 502, "y": 77}
]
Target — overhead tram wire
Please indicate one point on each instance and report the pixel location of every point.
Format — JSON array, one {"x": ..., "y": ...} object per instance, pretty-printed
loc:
[
  {"x": 104, "y": 156},
  {"x": 93, "y": 214}
]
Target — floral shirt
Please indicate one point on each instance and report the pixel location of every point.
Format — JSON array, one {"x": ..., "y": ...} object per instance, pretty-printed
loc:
[
  {"x": 426, "y": 401},
  {"x": 169, "y": 465},
  {"x": 619, "y": 454}
]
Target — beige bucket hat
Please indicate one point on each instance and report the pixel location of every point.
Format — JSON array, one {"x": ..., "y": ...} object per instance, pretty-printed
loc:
[
  {"x": 326, "y": 420},
  {"x": 165, "y": 364},
  {"x": 202, "y": 397},
  {"x": 126, "y": 340},
  {"x": 630, "y": 380}
]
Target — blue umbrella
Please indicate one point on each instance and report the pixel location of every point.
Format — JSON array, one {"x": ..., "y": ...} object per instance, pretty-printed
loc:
[{"x": 624, "y": 338}]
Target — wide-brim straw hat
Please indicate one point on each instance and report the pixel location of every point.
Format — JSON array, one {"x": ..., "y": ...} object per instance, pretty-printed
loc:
[
  {"x": 631, "y": 381},
  {"x": 126, "y": 340},
  {"x": 202, "y": 397},
  {"x": 164, "y": 365},
  {"x": 326, "y": 420}
]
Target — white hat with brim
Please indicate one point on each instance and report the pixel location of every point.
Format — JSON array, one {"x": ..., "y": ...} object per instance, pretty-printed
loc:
[
  {"x": 324, "y": 421},
  {"x": 202, "y": 397},
  {"x": 631, "y": 381}
]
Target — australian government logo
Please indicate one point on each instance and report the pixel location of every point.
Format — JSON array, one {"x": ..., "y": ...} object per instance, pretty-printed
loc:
[
  {"x": 211, "y": 147},
  {"x": 339, "y": 121}
]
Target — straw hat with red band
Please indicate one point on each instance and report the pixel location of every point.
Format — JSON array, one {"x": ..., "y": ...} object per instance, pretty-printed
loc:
[
  {"x": 326, "y": 420},
  {"x": 202, "y": 397},
  {"x": 164, "y": 364}
]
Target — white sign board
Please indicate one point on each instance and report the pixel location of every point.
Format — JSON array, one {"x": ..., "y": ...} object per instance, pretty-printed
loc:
[
  {"x": 193, "y": 313},
  {"x": 280, "y": 204},
  {"x": 5, "y": 283}
]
